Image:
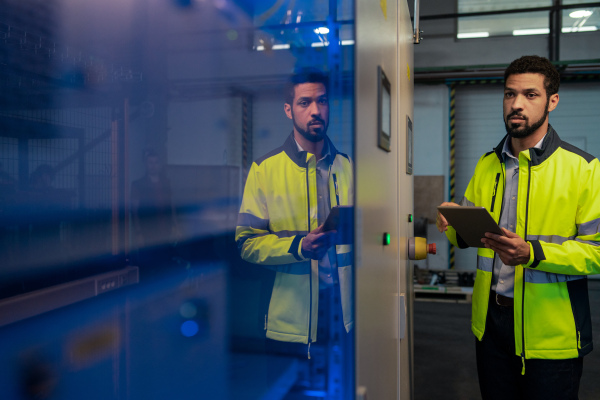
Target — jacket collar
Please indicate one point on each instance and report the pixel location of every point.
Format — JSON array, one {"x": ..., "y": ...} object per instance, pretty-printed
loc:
[
  {"x": 537, "y": 156},
  {"x": 299, "y": 157}
]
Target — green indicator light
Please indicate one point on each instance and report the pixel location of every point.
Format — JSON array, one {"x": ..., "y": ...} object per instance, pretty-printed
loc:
[
  {"x": 386, "y": 239},
  {"x": 410, "y": 218}
]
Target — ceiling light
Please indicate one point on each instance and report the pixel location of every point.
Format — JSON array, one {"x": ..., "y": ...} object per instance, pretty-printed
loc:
[
  {"x": 524, "y": 32},
  {"x": 274, "y": 47},
  {"x": 323, "y": 44},
  {"x": 322, "y": 30},
  {"x": 580, "y": 29},
  {"x": 472, "y": 35},
  {"x": 580, "y": 14}
]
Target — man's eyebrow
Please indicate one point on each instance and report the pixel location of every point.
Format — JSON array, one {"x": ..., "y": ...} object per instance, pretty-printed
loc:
[
  {"x": 533, "y": 89},
  {"x": 309, "y": 98}
]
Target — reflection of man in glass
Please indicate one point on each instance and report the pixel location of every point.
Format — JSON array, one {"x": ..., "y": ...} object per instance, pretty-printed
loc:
[{"x": 288, "y": 195}]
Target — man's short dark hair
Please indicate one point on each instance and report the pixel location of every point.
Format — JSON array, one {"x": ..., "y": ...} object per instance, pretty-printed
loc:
[
  {"x": 304, "y": 75},
  {"x": 536, "y": 65}
]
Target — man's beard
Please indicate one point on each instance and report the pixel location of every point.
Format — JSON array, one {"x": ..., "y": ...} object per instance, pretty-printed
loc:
[
  {"x": 319, "y": 132},
  {"x": 520, "y": 132}
]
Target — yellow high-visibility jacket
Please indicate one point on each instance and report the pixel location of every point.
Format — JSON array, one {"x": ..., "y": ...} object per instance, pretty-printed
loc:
[
  {"x": 558, "y": 213},
  {"x": 278, "y": 209}
]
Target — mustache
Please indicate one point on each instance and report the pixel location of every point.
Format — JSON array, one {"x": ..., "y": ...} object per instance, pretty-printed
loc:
[
  {"x": 316, "y": 120},
  {"x": 516, "y": 114}
]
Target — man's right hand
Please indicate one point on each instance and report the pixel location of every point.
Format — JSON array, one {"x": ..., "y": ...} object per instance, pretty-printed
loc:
[
  {"x": 317, "y": 242},
  {"x": 440, "y": 221}
]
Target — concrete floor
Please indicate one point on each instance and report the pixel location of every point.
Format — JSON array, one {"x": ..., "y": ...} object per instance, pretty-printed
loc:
[{"x": 445, "y": 352}]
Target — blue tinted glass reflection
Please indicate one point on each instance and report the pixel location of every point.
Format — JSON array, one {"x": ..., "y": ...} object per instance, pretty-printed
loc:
[{"x": 131, "y": 133}]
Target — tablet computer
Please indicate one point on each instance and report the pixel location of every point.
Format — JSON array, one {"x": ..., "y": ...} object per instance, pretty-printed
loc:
[
  {"x": 470, "y": 222},
  {"x": 341, "y": 219}
]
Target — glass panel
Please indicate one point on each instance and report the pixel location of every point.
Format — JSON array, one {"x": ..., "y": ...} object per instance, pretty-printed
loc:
[
  {"x": 571, "y": 2},
  {"x": 171, "y": 163},
  {"x": 290, "y": 12},
  {"x": 467, "y": 6},
  {"x": 532, "y": 23},
  {"x": 581, "y": 19}
]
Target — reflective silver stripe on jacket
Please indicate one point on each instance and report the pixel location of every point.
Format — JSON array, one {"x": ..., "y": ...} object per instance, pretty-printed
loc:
[
  {"x": 589, "y": 228},
  {"x": 550, "y": 238},
  {"x": 561, "y": 239},
  {"x": 535, "y": 276},
  {"x": 485, "y": 264}
]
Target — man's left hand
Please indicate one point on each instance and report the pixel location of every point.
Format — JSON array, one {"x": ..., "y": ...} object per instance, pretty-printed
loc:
[{"x": 511, "y": 249}]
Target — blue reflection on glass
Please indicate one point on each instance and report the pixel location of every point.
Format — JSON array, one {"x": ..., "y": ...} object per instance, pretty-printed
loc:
[{"x": 189, "y": 328}]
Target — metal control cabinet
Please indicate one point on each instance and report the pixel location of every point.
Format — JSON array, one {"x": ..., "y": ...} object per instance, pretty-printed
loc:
[{"x": 384, "y": 197}]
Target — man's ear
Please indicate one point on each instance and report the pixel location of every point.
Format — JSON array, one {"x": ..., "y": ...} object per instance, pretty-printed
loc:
[
  {"x": 288, "y": 110},
  {"x": 553, "y": 102}
]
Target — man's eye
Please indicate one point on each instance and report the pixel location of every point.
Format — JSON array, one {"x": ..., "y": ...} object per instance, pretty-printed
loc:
[
  {"x": 323, "y": 101},
  {"x": 507, "y": 95}
]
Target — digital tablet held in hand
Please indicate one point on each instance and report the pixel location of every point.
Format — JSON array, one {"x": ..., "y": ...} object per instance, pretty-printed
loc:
[
  {"x": 341, "y": 219},
  {"x": 471, "y": 223}
]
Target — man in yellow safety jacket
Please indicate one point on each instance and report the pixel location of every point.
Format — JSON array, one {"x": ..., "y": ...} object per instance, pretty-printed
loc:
[
  {"x": 288, "y": 195},
  {"x": 531, "y": 313}
]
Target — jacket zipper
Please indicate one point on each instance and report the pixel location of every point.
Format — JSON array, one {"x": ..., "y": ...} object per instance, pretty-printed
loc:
[
  {"x": 501, "y": 203},
  {"x": 337, "y": 192},
  {"x": 309, "y": 264},
  {"x": 577, "y": 330},
  {"x": 501, "y": 209},
  {"x": 523, "y": 291},
  {"x": 495, "y": 188}
]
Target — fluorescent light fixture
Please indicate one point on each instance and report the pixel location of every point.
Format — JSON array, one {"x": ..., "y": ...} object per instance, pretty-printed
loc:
[
  {"x": 316, "y": 44},
  {"x": 275, "y": 47},
  {"x": 580, "y": 14},
  {"x": 472, "y": 35},
  {"x": 343, "y": 43},
  {"x": 524, "y": 32},
  {"x": 322, "y": 30},
  {"x": 581, "y": 29}
]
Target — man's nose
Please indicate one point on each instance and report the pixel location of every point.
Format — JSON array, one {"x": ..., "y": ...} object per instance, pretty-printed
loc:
[
  {"x": 517, "y": 103},
  {"x": 315, "y": 109}
]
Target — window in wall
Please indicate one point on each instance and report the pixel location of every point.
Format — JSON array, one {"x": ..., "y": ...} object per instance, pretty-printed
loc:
[
  {"x": 529, "y": 23},
  {"x": 501, "y": 24},
  {"x": 310, "y": 24},
  {"x": 583, "y": 19}
]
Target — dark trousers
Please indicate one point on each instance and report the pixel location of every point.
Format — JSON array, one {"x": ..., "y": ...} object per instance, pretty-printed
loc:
[{"x": 499, "y": 369}]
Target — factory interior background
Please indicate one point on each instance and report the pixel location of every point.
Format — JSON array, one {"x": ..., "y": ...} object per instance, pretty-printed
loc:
[{"x": 111, "y": 288}]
